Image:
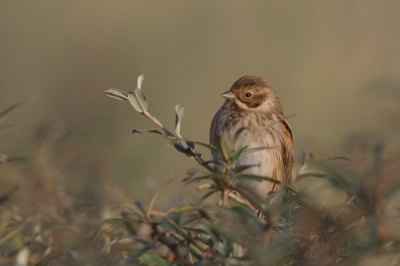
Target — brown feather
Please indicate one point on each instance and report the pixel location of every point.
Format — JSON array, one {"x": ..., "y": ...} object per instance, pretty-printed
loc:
[{"x": 256, "y": 111}]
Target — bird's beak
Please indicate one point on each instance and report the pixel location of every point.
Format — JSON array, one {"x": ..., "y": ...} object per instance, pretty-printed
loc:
[{"x": 228, "y": 95}]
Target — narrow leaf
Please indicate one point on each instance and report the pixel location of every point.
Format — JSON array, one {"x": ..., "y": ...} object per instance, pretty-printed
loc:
[
  {"x": 145, "y": 131},
  {"x": 237, "y": 136},
  {"x": 8, "y": 127},
  {"x": 140, "y": 81},
  {"x": 179, "y": 110},
  {"x": 258, "y": 178},
  {"x": 138, "y": 205},
  {"x": 157, "y": 194},
  {"x": 152, "y": 260},
  {"x": 197, "y": 179},
  {"x": 334, "y": 158},
  {"x": 242, "y": 168},
  {"x": 11, "y": 109},
  {"x": 223, "y": 147},
  {"x": 116, "y": 94}
]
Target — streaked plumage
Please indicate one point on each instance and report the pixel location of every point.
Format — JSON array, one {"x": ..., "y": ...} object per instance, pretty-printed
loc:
[{"x": 252, "y": 103}]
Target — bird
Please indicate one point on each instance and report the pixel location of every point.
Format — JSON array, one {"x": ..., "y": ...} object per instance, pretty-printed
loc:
[{"x": 252, "y": 104}]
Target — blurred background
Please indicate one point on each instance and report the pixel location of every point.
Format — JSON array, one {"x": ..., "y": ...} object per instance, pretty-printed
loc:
[{"x": 335, "y": 66}]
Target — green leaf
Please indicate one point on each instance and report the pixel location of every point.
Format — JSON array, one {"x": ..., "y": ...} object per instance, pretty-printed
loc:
[
  {"x": 258, "y": 178},
  {"x": 140, "y": 81},
  {"x": 145, "y": 131},
  {"x": 157, "y": 194},
  {"x": 8, "y": 127},
  {"x": 138, "y": 100},
  {"x": 116, "y": 94},
  {"x": 12, "y": 108},
  {"x": 334, "y": 158},
  {"x": 242, "y": 168},
  {"x": 138, "y": 205},
  {"x": 223, "y": 148},
  {"x": 179, "y": 148},
  {"x": 179, "y": 110},
  {"x": 237, "y": 135},
  {"x": 198, "y": 179},
  {"x": 152, "y": 260},
  {"x": 261, "y": 148},
  {"x": 180, "y": 209}
]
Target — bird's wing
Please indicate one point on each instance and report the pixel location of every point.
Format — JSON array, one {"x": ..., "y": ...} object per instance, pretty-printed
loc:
[{"x": 287, "y": 152}]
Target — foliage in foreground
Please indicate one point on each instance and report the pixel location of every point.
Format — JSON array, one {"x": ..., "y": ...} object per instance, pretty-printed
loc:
[{"x": 330, "y": 216}]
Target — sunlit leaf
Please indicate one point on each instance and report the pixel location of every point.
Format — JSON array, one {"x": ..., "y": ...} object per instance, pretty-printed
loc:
[
  {"x": 140, "y": 81},
  {"x": 206, "y": 186},
  {"x": 180, "y": 209},
  {"x": 152, "y": 260},
  {"x": 116, "y": 94},
  {"x": 22, "y": 258},
  {"x": 179, "y": 110},
  {"x": 138, "y": 100}
]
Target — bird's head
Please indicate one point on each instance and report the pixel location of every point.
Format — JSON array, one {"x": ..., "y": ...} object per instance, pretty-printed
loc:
[{"x": 252, "y": 93}]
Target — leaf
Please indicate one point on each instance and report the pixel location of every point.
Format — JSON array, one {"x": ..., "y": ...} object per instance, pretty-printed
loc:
[
  {"x": 206, "y": 186},
  {"x": 140, "y": 81},
  {"x": 152, "y": 260},
  {"x": 138, "y": 205},
  {"x": 261, "y": 148},
  {"x": 116, "y": 94},
  {"x": 12, "y": 108},
  {"x": 197, "y": 179},
  {"x": 237, "y": 135},
  {"x": 22, "y": 257},
  {"x": 223, "y": 147},
  {"x": 179, "y": 148},
  {"x": 157, "y": 194},
  {"x": 242, "y": 168},
  {"x": 145, "y": 131},
  {"x": 8, "y": 127},
  {"x": 138, "y": 100},
  {"x": 179, "y": 110},
  {"x": 180, "y": 209},
  {"x": 334, "y": 158},
  {"x": 258, "y": 178}
]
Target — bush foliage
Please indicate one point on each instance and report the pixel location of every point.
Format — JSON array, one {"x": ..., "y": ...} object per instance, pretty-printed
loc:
[{"x": 331, "y": 215}]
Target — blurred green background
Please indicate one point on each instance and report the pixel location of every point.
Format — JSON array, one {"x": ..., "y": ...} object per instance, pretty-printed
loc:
[{"x": 334, "y": 64}]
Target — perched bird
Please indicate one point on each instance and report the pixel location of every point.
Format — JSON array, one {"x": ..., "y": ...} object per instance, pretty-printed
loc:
[{"x": 253, "y": 104}]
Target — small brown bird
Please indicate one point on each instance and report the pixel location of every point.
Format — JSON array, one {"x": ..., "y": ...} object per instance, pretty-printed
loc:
[{"x": 252, "y": 103}]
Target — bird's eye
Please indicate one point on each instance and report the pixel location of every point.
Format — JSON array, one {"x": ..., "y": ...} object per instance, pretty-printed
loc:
[{"x": 248, "y": 95}]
